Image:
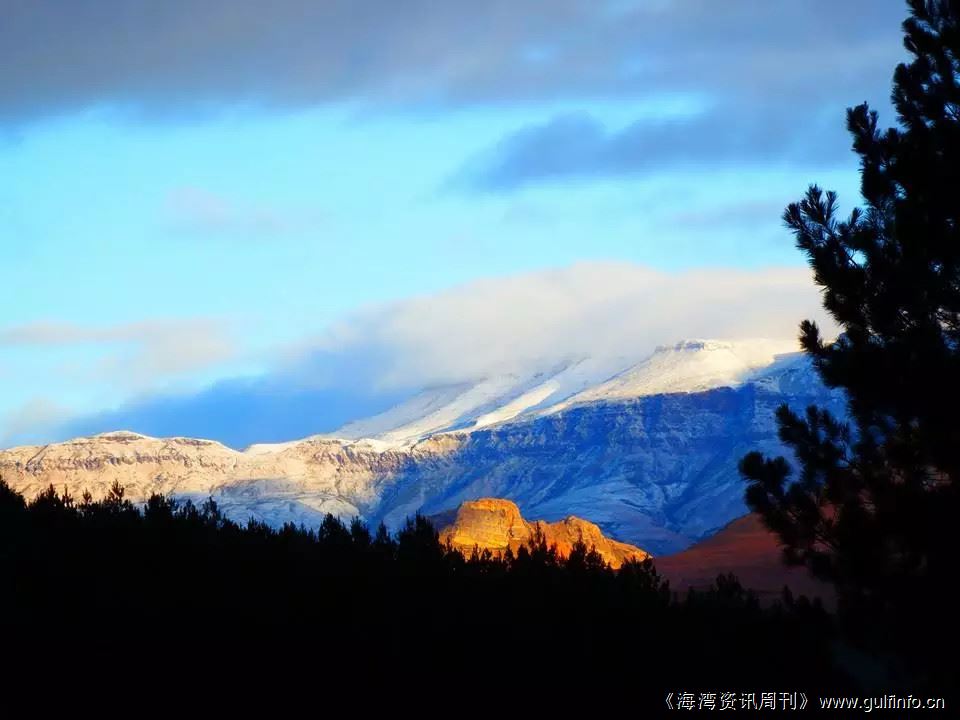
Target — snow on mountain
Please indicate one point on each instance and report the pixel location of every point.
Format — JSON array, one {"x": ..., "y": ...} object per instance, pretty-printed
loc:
[
  {"x": 790, "y": 374},
  {"x": 419, "y": 414},
  {"x": 688, "y": 366},
  {"x": 488, "y": 401}
]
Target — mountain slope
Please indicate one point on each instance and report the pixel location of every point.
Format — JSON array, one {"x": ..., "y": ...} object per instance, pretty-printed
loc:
[
  {"x": 657, "y": 471},
  {"x": 688, "y": 366},
  {"x": 747, "y": 549},
  {"x": 471, "y": 405}
]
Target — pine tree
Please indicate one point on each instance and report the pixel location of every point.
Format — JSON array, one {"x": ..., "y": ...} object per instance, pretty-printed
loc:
[{"x": 874, "y": 505}]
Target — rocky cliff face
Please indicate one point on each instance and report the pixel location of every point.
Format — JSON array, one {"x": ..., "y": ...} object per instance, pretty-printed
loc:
[
  {"x": 496, "y": 524},
  {"x": 658, "y": 471}
]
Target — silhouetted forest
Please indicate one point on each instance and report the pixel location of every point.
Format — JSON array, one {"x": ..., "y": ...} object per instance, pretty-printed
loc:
[{"x": 179, "y": 588}]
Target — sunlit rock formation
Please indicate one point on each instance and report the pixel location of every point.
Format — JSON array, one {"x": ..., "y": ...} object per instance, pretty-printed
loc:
[{"x": 495, "y": 524}]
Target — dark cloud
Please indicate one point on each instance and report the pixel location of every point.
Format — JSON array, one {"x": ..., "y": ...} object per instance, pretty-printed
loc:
[
  {"x": 181, "y": 56},
  {"x": 166, "y": 58},
  {"x": 577, "y": 146},
  {"x": 775, "y": 79}
]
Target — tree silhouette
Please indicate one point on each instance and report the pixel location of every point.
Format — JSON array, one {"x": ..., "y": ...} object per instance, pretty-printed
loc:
[
  {"x": 873, "y": 507},
  {"x": 170, "y": 584}
]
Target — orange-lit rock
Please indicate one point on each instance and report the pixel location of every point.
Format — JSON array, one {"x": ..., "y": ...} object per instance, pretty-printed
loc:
[{"x": 494, "y": 524}]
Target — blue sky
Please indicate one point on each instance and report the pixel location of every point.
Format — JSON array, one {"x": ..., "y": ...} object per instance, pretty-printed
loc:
[{"x": 198, "y": 201}]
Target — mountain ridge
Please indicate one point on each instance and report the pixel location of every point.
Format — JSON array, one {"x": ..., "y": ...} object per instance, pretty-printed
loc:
[{"x": 656, "y": 470}]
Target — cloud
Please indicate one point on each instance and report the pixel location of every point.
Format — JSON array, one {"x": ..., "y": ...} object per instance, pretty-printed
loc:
[
  {"x": 133, "y": 354},
  {"x": 200, "y": 211},
  {"x": 36, "y": 415},
  {"x": 773, "y": 80},
  {"x": 578, "y": 146},
  {"x": 511, "y": 324},
  {"x": 378, "y": 356},
  {"x": 162, "y": 59}
]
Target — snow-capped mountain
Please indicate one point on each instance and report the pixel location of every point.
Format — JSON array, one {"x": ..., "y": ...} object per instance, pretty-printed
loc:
[
  {"x": 648, "y": 453},
  {"x": 298, "y": 481},
  {"x": 689, "y": 366}
]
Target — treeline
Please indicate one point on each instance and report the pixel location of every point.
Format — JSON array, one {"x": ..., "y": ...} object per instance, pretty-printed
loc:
[{"x": 174, "y": 585}]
